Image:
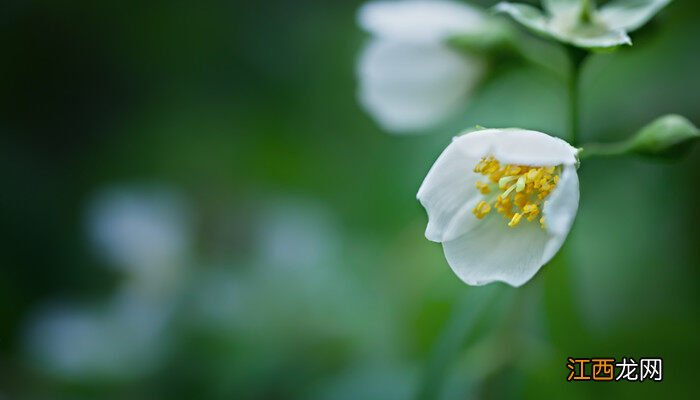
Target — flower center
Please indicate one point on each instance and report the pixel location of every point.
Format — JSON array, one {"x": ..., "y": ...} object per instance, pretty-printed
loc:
[{"x": 514, "y": 191}]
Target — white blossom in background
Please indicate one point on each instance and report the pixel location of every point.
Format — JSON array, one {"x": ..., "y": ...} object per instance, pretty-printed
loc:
[
  {"x": 409, "y": 79},
  {"x": 579, "y": 23},
  {"x": 297, "y": 233},
  {"x": 123, "y": 339},
  {"x": 501, "y": 202},
  {"x": 217, "y": 300},
  {"x": 144, "y": 231}
]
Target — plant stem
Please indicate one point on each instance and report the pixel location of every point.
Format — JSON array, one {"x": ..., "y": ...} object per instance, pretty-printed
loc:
[
  {"x": 604, "y": 149},
  {"x": 576, "y": 56},
  {"x": 457, "y": 329}
]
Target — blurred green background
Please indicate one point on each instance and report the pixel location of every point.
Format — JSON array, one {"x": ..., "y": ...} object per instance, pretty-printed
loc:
[{"x": 195, "y": 206}]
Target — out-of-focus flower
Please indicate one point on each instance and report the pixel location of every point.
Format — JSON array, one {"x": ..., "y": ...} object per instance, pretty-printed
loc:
[
  {"x": 578, "y": 23},
  {"x": 299, "y": 233},
  {"x": 124, "y": 339},
  {"x": 216, "y": 301},
  {"x": 501, "y": 202},
  {"x": 409, "y": 78},
  {"x": 144, "y": 231}
]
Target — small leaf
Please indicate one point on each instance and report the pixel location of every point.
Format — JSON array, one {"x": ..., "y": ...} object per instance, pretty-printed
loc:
[{"x": 667, "y": 137}]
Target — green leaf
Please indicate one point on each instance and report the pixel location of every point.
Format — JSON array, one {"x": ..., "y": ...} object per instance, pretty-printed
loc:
[
  {"x": 630, "y": 14},
  {"x": 667, "y": 137}
]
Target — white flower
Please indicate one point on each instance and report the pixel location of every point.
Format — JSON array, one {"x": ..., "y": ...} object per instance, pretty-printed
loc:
[
  {"x": 144, "y": 231},
  {"x": 578, "y": 23},
  {"x": 501, "y": 202},
  {"x": 409, "y": 79},
  {"x": 124, "y": 338}
]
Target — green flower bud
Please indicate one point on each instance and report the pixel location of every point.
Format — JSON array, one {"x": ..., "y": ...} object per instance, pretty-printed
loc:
[{"x": 667, "y": 137}]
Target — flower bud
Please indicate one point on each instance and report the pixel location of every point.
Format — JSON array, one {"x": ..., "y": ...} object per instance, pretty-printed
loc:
[{"x": 667, "y": 137}]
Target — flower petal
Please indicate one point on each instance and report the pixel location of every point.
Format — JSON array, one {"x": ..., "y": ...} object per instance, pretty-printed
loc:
[
  {"x": 419, "y": 21},
  {"x": 594, "y": 37},
  {"x": 563, "y": 7},
  {"x": 448, "y": 192},
  {"x": 493, "y": 252},
  {"x": 560, "y": 210},
  {"x": 409, "y": 87},
  {"x": 520, "y": 146},
  {"x": 529, "y": 16},
  {"x": 630, "y": 14}
]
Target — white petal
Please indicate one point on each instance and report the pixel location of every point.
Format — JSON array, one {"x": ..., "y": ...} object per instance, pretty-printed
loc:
[
  {"x": 630, "y": 15},
  {"x": 520, "y": 146},
  {"x": 409, "y": 87},
  {"x": 494, "y": 252},
  {"x": 561, "y": 206},
  {"x": 531, "y": 17},
  {"x": 448, "y": 193},
  {"x": 419, "y": 21},
  {"x": 593, "y": 37},
  {"x": 559, "y": 7},
  {"x": 560, "y": 210}
]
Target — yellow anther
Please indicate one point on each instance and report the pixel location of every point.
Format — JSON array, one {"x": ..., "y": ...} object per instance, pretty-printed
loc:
[
  {"x": 523, "y": 189},
  {"x": 481, "y": 209},
  {"x": 542, "y": 223},
  {"x": 483, "y": 187},
  {"x": 515, "y": 220},
  {"x": 531, "y": 209},
  {"x": 533, "y": 174},
  {"x": 513, "y": 169}
]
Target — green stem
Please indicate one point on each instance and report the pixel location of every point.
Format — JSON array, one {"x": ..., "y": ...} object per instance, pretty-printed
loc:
[
  {"x": 462, "y": 321},
  {"x": 604, "y": 149},
  {"x": 576, "y": 56}
]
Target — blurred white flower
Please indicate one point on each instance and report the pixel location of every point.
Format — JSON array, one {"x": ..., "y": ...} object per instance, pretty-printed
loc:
[
  {"x": 217, "y": 300},
  {"x": 578, "y": 23},
  {"x": 121, "y": 340},
  {"x": 409, "y": 79},
  {"x": 501, "y": 202},
  {"x": 144, "y": 231},
  {"x": 297, "y": 233}
]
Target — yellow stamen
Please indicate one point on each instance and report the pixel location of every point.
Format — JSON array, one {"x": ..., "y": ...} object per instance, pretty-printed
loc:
[
  {"x": 483, "y": 187},
  {"x": 515, "y": 220},
  {"x": 482, "y": 209},
  {"x": 523, "y": 190}
]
